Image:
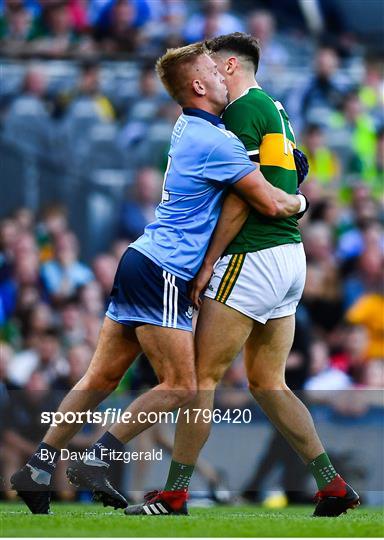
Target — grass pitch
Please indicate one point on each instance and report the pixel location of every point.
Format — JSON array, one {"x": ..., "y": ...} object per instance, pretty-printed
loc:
[{"x": 87, "y": 520}]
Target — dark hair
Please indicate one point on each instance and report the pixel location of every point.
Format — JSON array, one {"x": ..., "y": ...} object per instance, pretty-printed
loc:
[{"x": 240, "y": 43}]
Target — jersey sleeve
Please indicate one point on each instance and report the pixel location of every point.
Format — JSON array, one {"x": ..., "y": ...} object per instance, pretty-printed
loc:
[
  {"x": 248, "y": 123},
  {"x": 228, "y": 162}
]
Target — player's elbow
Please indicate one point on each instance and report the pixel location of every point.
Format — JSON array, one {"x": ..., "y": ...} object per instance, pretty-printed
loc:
[{"x": 271, "y": 209}]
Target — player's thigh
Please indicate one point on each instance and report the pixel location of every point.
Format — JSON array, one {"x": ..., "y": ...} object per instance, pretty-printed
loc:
[
  {"x": 266, "y": 352},
  {"x": 170, "y": 352},
  {"x": 220, "y": 335},
  {"x": 116, "y": 349}
]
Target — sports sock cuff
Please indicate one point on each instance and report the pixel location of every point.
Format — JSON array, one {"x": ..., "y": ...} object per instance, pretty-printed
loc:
[
  {"x": 45, "y": 458},
  {"x": 105, "y": 447},
  {"x": 322, "y": 470},
  {"x": 179, "y": 476}
]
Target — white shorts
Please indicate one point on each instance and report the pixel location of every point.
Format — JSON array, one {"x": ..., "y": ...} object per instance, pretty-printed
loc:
[{"x": 263, "y": 285}]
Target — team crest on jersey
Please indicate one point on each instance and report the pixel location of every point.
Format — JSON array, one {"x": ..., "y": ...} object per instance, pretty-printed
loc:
[
  {"x": 189, "y": 313},
  {"x": 178, "y": 130}
]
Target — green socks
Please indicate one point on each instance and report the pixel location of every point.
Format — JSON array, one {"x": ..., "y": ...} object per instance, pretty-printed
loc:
[
  {"x": 179, "y": 476},
  {"x": 322, "y": 470}
]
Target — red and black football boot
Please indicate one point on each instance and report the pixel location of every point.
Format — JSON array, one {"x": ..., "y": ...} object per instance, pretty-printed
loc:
[
  {"x": 161, "y": 503},
  {"x": 335, "y": 499}
]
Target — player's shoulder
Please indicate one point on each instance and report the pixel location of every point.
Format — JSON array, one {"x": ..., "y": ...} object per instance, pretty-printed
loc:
[
  {"x": 212, "y": 134},
  {"x": 196, "y": 125},
  {"x": 253, "y": 102},
  {"x": 251, "y": 98}
]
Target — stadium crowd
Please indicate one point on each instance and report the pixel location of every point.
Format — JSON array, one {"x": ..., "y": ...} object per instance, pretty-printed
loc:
[{"x": 52, "y": 301}]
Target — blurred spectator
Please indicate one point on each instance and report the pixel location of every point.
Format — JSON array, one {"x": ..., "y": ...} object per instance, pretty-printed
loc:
[
  {"x": 37, "y": 319},
  {"x": 56, "y": 35},
  {"x": 324, "y": 376},
  {"x": 92, "y": 325},
  {"x": 87, "y": 93},
  {"x": 375, "y": 175},
  {"x": 16, "y": 27},
  {"x": 368, "y": 311},
  {"x": 18, "y": 273},
  {"x": 26, "y": 119},
  {"x": 138, "y": 211},
  {"x": 92, "y": 299},
  {"x": 371, "y": 90},
  {"x": 213, "y": 20},
  {"x": 274, "y": 57},
  {"x": 65, "y": 274},
  {"x": 367, "y": 273},
  {"x": 45, "y": 356},
  {"x": 117, "y": 29},
  {"x": 360, "y": 223},
  {"x": 164, "y": 28},
  {"x": 324, "y": 165},
  {"x": 356, "y": 130},
  {"x": 351, "y": 354},
  {"x": 104, "y": 267},
  {"x": 53, "y": 222},
  {"x": 142, "y": 111},
  {"x": 373, "y": 376},
  {"x": 89, "y": 86},
  {"x": 322, "y": 292},
  {"x": 325, "y": 91},
  {"x": 78, "y": 357},
  {"x": 71, "y": 323},
  {"x": 8, "y": 234},
  {"x": 6, "y": 353},
  {"x": 149, "y": 97},
  {"x": 23, "y": 427},
  {"x": 24, "y": 219}
]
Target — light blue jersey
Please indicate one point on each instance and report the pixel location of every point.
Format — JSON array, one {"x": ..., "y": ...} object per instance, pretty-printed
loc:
[{"x": 204, "y": 159}]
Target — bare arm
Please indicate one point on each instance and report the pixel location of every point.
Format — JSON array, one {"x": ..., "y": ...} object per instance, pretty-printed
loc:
[
  {"x": 267, "y": 199},
  {"x": 232, "y": 217}
]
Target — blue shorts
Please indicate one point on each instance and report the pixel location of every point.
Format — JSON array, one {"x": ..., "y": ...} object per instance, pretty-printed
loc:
[{"x": 144, "y": 293}]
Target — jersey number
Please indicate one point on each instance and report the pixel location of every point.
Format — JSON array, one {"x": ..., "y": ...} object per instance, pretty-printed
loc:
[
  {"x": 287, "y": 142},
  {"x": 165, "y": 194}
]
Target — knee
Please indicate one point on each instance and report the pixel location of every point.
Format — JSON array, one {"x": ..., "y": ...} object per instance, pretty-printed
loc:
[
  {"x": 99, "y": 380},
  {"x": 261, "y": 389},
  {"x": 185, "y": 395},
  {"x": 182, "y": 392},
  {"x": 208, "y": 381}
]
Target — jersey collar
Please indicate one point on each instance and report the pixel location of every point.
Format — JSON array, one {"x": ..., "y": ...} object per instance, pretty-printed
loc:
[
  {"x": 244, "y": 94},
  {"x": 190, "y": 111}
]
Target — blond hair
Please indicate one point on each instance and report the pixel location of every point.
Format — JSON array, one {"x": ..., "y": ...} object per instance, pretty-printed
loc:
[{"x": 169, "y": 68}]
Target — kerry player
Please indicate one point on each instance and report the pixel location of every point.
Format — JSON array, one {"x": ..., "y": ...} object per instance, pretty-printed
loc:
[
  {"x": 150, "y": 308},
  {"x": 252, "y": 296}
]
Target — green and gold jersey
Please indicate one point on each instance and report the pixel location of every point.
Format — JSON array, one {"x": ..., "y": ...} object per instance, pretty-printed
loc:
[{"x": 263, "y": 126}]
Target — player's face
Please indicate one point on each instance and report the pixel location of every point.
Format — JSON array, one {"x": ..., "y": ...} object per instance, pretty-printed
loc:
[
  {"x": 220, "y": 61},
  {"x": 213, "y": 82}
]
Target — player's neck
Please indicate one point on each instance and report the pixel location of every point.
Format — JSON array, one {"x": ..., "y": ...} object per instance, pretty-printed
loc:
[
  {"x": 205, "y": 106},
  {"x": 239, "y": 86}
]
